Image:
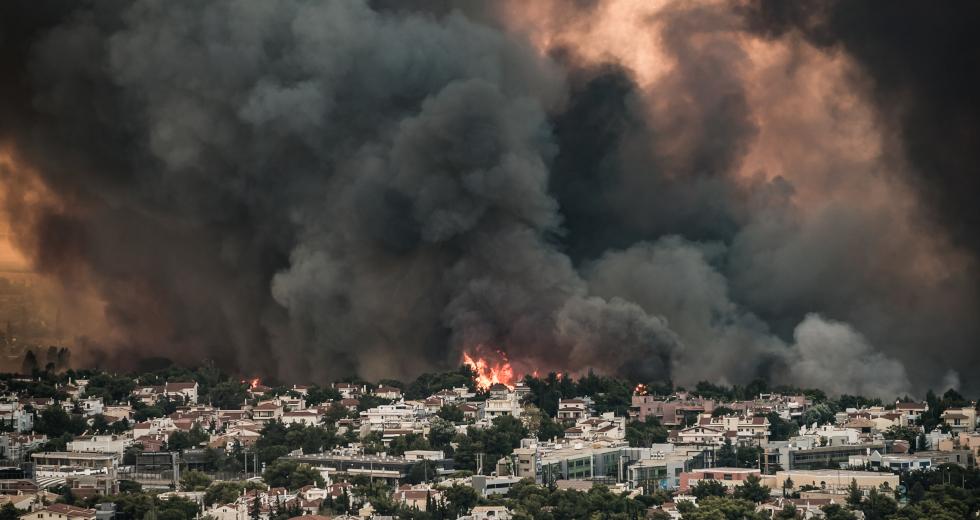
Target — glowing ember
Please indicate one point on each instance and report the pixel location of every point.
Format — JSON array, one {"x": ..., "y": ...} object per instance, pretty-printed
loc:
[
  {"x": 252, "y": 383},
  {"x": 641, "y": 389},
  {"x": 489, "y": 373}
]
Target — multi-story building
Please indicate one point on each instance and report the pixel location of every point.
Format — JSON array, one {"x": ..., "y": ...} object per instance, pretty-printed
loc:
[
  {"x": 573, "y": 410},
  {"x": 961, "y": 419},
  {"x": 912, "y": 411},
  {"x": 15, "y": 417},
  {"x": 670, "y": 412}
]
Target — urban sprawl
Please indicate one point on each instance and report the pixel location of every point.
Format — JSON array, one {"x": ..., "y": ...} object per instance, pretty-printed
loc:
[{"x": 179, "y": 443}]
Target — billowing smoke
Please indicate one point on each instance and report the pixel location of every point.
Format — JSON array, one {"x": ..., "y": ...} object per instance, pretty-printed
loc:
[{"x": 312, "y": 190}]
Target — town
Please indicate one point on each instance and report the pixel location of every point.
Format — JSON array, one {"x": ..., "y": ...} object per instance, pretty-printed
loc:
[{"x": 179, "y": 443}]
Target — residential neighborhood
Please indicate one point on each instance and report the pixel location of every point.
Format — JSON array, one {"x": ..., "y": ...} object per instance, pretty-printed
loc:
[{"x": 199, "y": 444}]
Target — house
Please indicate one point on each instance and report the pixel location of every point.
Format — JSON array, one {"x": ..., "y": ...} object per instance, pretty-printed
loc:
[
  {"x": 912, "y": 411},
  {"x": 60, "y": 512},
  {"x": 472, "y": 411},
  {"x": 91, "y": 406},
  {"x": 502, "y": 402},
  {"x": 388, "y": 392},
  {"x": 16, "y": 417},
  {"x": 698, "y": 434},
  {"x": 267, "y": 412},
  {"x": 961, "y": 419},
  {"x": 745, "y": 430},
  {"x": 309, "y": 417},
  {"x": 350, "y": 390},
  {"x": 416, "y": 496},
  {"x": 15, "y": 446},
  {"x": 185, "y": 391},
  {"x": 490, "y": 513},
  {"x": 572, "y": 410},
  {"x": 148, "y": 394}
]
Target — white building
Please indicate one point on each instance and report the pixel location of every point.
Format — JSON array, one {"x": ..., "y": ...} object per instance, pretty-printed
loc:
[
  {"x": 14, "y": 415},
  {"x": 100, "y": 444},
  {"x": 187, "y": 391}
]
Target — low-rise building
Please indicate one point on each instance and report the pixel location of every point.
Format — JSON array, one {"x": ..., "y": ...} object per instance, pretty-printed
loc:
[
  {"x": 60, "y": 512},
  {"x": 728, "y": 477},
  {"x": 831, "y": 479}
]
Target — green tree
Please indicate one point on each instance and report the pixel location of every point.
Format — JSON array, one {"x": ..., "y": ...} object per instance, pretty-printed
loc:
[
  {"x": 194, "y": 480},
  {"x": 643, "y": 434},
  {"x": 222, "y": 493},
  {"x": 878, "y": 506},
  {"x": 462, "y": 499},
  {"x": 317, "y": 395},
  {"x": 291, "y": 474},
  {"x": 708, "y": 488},
  {"x": 752, "y": 490},
  {"x": 441, "y": 433},
  {"x": 854, "y": 495},
  {"x": 726, "y": 457},
  {"x": 451, "y": 413},
  {"x": 788, "y": 513},
  {"x": 837, "y": 512},
  {"x": 228, "y": 395},
  {"x": 9, "y": 512}
]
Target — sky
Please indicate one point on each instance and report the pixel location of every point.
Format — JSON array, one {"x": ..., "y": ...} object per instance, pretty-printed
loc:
[{"x": 689, "y": 191}]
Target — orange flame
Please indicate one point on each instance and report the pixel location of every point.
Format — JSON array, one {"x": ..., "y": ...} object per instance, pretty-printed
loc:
[
  {"x": 489, "y": 373},
  {"x": 641, "y": 389},
  {"x": 252, "y": 383}
]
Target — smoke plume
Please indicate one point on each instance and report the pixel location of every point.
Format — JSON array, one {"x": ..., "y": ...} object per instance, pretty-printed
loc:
[{"x": 663, "y": 191}]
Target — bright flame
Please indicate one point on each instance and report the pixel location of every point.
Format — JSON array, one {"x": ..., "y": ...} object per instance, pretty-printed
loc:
[
  {"x": 641, "y": 389},
  {"x": 252, "y": 383},
  {"x": 489, "y": 373}
]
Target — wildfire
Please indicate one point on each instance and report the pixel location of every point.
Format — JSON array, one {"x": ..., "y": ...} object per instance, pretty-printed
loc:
[
  {"x": 489, "y": 373},
  {"x": 641, "y": 389},
  {"x": 252, "y": 383}
]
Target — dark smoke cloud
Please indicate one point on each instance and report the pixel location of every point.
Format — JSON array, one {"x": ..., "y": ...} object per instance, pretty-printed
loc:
[{"x": 314, "y": 190}]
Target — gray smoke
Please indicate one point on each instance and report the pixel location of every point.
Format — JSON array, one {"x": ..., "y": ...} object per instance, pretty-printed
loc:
[{"x": 311, "y": 190}]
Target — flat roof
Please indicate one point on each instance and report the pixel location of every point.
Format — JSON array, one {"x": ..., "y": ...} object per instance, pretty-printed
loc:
[{"x": 73, "y": 455}]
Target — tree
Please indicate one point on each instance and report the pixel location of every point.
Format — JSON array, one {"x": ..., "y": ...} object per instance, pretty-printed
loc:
[
  {"x": 194, "y": 480},
  {"x": 878, "y": 506},
  {"x": 752, "y": 490},
  {"x": 722, "y": 508},
  {"x": 917, "y": 492},
  {"x": 643, "y": 434},
  {"x": 222, "y": 493},
  {"x": 228, "y": 395},
  {"x": 726, "y": 455},
  {"x": 291, "y": 474},
  {"x": 788, "y": 513},
  {"x": 9, "y": 512},
  {"x": 722, "y": 411},
  {"x": 451, "y": 413},
  {"x": 854, "y": 495},
  {"x": 837, "y": 512},
  {"x": 441, "y": 433},
  {"x": 788, "y": 485},
  {"x": 462, "y": 499},
  {"x": 708, "y": 488},
  {"x": 317, "y": 395}
]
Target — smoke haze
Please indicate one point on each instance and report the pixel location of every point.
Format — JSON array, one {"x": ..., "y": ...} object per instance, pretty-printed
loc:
[{"x": 688, "y": 191}]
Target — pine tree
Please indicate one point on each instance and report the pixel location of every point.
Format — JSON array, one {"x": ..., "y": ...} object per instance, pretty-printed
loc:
[
  {"x": 256, "y": 509},
  {"x": 854, "y": 495}
]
